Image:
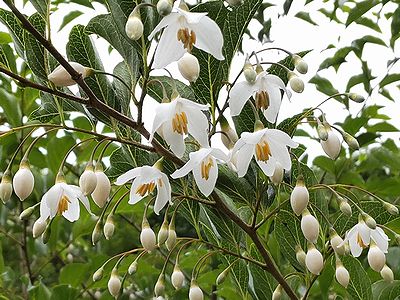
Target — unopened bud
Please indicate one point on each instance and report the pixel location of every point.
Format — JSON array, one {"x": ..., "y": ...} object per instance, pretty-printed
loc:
[
  {"x": 321, "y": 130},
  {"x": 229, "y": 136},
  {"x": 342, "y": 275},
  {"x": 96, "y": 234},
  {"x": 164, "y": 7},
  {"x": 109, "y": 227},
  {"x": 88, "y": 180},
  {"x": 300, "y": 256},
  {"x": 61, "y": 77},
  {"x": 102, "y": 190},
  {"x": 171, "y": 240},
  {"x": 195, "y": 292},
  {"x": 277, "y": 177},
  {"x": 277, "y": 294},
  {"x": 38, "y": 228},
  {"x": 148, "y": 237},
  {"x": 356, "y": 97},
  {"x": 371, "y": 223},
  {"x": 162, "y": 233},
  {"x": 299, "y": 197},
  {"x": 159, "y": 288},
  {"x": 46, "y": 234},
  {"x": 376, "y": 258},
  {"x": 114, "y": 284},
  {"x": 314, "y": 260},
  {"x": 300, "y": 64},
  {"x": 351, "y": 141},
  {"x": 295, "y": 82},
  {"x": 6, "y": 187},
  {"x": 309, "y": 227},
  {"x": 189, "y": 67},
  {"x": 27, "y": 213},
  {"x": 98, "y": 275},
  {"x": 248, "y": 71},
  {"x": 134, "y": 26},
  {"x": 344, "y": 206},
  {"x": 23, "y": 181},
  {"x": 392, "y": 209},
  {"x": 337, "y": 244},
  {"x": 332, "y": 145},
  {"x": 133, "y": 267},
  {"x": 387, "y": 274},
  {"x": 177, "y": 277},
  {"x": 221, "y": 277}
]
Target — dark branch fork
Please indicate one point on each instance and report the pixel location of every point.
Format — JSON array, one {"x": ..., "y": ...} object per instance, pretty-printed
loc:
[{"x": 95, "y": 102}]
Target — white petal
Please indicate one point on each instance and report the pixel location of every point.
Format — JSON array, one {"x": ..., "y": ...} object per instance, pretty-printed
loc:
[
  {"x": 164, "y": 113},
  {"x": 208, "y": 37},
  {"x": 219, "y": 154},
  {"x": 198, "y": 125},
  {"x": 244, "y": 156},
  {"x": 274, "y": 80},
  {"x": 238, "y": 96},
  {"x": 133, "y": 196},
  {"x": 44, "y": 209},
  {"x": 365, "y": 232},
  {"x": 206, "y": 186},
  {"x": 127, "y": 176},
  {"x": 53, "y": 197},
  {"x": 166, "y": 21},
  {"x": 381, "y": 239},
  {"x": 268, "y": 167},
  {"x": 280, "y": 137},
  {"x": 173, "y": 139},
  {"x": 191, "y": 17},
  {"x": 355, "y": 248},
  {"x": 72, "y": 213},
  {"x": 184, "y": 170},
  {"x": 163, "y": 194},
  {"x": 272, "y": 111},
  {"x": 281, "y": 154},
  {"x": 186, "y": 103},
  {"x": 253, "y": 137}
]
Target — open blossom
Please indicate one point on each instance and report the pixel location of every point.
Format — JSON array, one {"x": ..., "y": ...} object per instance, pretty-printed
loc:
[
  {"x": 203, "y": 164},
  {"x": 145, "y": 180},
  {"x": 267, "y": 94},
  {"x": 183, "y": 31},
  {"x": 268, "y": 146},
  {"x": 359, "y": 237},
  {"x": 176, "y": 119},
  {"x": 63, "y": 199}
]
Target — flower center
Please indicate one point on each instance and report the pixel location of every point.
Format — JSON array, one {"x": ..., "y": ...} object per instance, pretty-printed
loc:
[
  {"x": 262, "y": 151},
  {"x": 206, "y": 165},
  {"x": 360, "y": 241},
  {"x": 262, "y": 100},
  {"x": 63, "y": 204},
  {"x": 145, "y": 188},
  {"x": 188, "y": 38},
  {"x": 179, "y": 123}
]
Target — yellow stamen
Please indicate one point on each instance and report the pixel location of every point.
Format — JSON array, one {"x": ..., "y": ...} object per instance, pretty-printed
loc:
[
  {"x": 187, "y": 38},
  {"x": 262, "y": 100},
  {"x": 145, "y": 188},
  {"x": 179, "y": 123},
  {"x": 63, "y": 204},
  {"x": 263, "y": 152},
  {"x": 206, "y": 165},
  {"x": 360, "y": 241}
]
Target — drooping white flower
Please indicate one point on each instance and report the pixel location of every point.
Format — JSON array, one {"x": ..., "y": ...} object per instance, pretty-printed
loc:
[
  {"x": 23, "y": 182},
  {"x": 145, "y": 180},
  {"x": 309, "y": 227},
  {"x": 63, "y": 199},
  {"x": 359, "y": 237},
  {"x": 387, "y": 274},
  {"x": 38, "y": 227},
  {"x": 337, "y": 244},
  {"x": 88, "y": 180},
  {"x": 134, "y": 26},
  {"x": 60, "y": 76},
  {"x": 267, "y": 94},
  {"x": 6, "y": 188},
  {"x": 183, "y": 31},
  {"x": 176, "y": 119},
  {"x": 114, "y": 284},
  {"x": 203, "y": 164},
  {"x": 148, "y": 238},
  {"x": 268, "y": 146}
]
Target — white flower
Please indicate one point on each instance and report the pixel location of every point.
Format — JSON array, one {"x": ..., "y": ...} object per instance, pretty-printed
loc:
[
  {"x": 171, "y": 240},
  {"x": 203, "y": 164},
  {"x": 267, "y": 94},
  {"x": 376, "y": 258},
  {"x": 387, "y": 274},
  {"x": 277, "y": 294},
  {"x": 60, "y": 76},
  {"x": 63, "y": 199},
  {"x": 337, "y": 244},
  {"x": 268, "y": 146},
  {"x": 145, "y": 179},
  {"x": 88, "y": 181},
  {"x": 360, "y": 235},
  {"x": 6, "y": 188},
  {"x": 114, "y": 284},
  {"x": 332, "y": 145},
  {"x": 102, "y": 190},
  {"x": 38, "y": 227},
  {"x": 23, "y": 182},
  {"x": 134, "y": 26},
  {"x": 174, "y": 120},
  {"x": 183, "y": 30},
  {"x": 162, "y": 234},
  {"x": 277, "y": 177}
]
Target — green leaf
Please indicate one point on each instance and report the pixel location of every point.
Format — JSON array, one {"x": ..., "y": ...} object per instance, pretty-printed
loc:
[
  {"x": 15, "y": 29},
  {"x": 40, "y": 6},
  {"x": 10, "y": 105},
  {"x": 56, "y": 150},
  {"x": 154, "y": 88},
  {"x": 5, "y": 38},
  {"x": 382, "y": 127},
  {"x": 64, "y": 292},
  {"x": 7, "y": 58},
  {"x": 289, "y": 125},
  {"x": 360, "y": 43},
  {"x": 383, "y": 290},
  {"x": 360, "y": 9},
  {"x": 261, "y": 283},
  {"x": 395, "y": 26},
  {"x": 360, "y": 284},
  {"x": 390, "y": 78},
  {"x": 305, "y": 16},
  {"x": 324, "y": 85},
  {"x": 336, "y": 60},
  {"x": 368, "y": 23},
  {"x": 70, "y": 17},
  {"x": 73, "y": 274}
]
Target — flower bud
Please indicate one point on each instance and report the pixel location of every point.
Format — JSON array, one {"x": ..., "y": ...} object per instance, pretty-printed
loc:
[
  {"x": 295, "y": 82},
  {"x": 109, "y": 227},
  {"x": 221, "y": 277},
  {"x": 234, "y": 2},
  {"x": 310, "y": 227},
  {"x": 148, "y": 237},
  {"x": 134, "y": 26},
  {"x": 300, "y": 64},
  {"x": 277, "y": 294},
  {"x": 356, "y": 97},
  {"x": 98, "y": 275},
  {"x": 46, "y": 234},
  {"x": 332, "y": 145},
  {"x": 277, "y": 177},
  {"x": 27, "y": 213},
  {"x": 321, "y": 130},
  {"x": 376, "y": 258},
  {"x": 371, "y": 223},
  {"x": 300, "y": 256},
  {"x": 96, "y": 234},
  {"x": 164, "y": 7},
  {"x": 228, "y": 136},
  {"x": 189, "y": 67},
  {"x": 314, "y": 260},
  {"x": 387, "y": 274},
  {"x": 102, "y": 190},
  {"x": 342, "y": 275},
  {"x": 351, "y": 141},
  {"x": 171, "y": 240},
  {"x": 114, "y": 284},
  {"x": 337, "y": 244},
  {"x": 177, "y": 277},
  {"x": 195, "y": 292},
  {"x": 248, "y": 71},
  {"x": 133, "y": 267},
  {"x": 159, "y": 288},
  {"x": 162, "y": 233},
  {"x": 70, "y": 257},
  {"x": 88, "y": 180},
  {"x": 391, "y": 209},
  {"x": 60, "y": 76},
  {"x": 38, "y": 228},
  {"x": 299, "y": 197},
  {"x": 6, "y": 187},
  {"x": 344, "y": 206},
  {"x": 23, "y": 181}
]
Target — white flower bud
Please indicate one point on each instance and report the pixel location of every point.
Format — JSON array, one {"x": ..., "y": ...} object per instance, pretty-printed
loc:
[
  {"x": 391, "y": 209},
  {"x": 102, "y": 190},
  {"x": 96, "y": 233},
  {"x": 98, "y": 275},
  {"x": 148, "y": 238},
  {"x": 336, "y": 240},
  {"x": 164, "y": 7},
  {"x": 27, "y": 213},
  {"x": 162, "y": 234},
  {"x": 314, "y": 261},
  {"x": 70, "y": 258},
  {"x": 221, "y": 277},
  {"x": 387, "y": 274},
  {"x": 301, "y": 65},
  {"x": 114, "y": 284},
  {"x": 332, "y": 145},
  {"x": 171, "y": 240},
  {"x": 344, "y": 207},
  {"x": 356, "y": 97},
  {"x": 133, "y": 267},
  {"x": 250, "y": 74},
  {"x": 321, "y": 130},
  {"x": 228, "y": 136},
  {"x": 295, "y": 82},
  {"x": 376, "y": 258},
  {"x": 234, "y": 2},
  {"x": 109, "y": 227},
  {"x": 134, "y": 26},
  {"x": 351, "y": 141},
  {"x": 277, "y": 177},
  {"x": 299, "y": 197},
  {"x": 310, "y": 227},
  {"x": 38, "y": 228},
  {"x": 370, "y": 221},
  {"x": 88, "y": 181},
  {"x": 342, "y": 275},
  {"x": 195, "y": 292},
  {"x": 6, "y": 188},
  {"x": 189, "y": 67},
  {"x": 23, "y": 182},
  {"x": 177, "y": 278},
  {"x": 159, "y": 288},
  {"x": 300, "y": 256},
  {"x": 60, "y": 76},
  {"x": 277, "y": 294}
]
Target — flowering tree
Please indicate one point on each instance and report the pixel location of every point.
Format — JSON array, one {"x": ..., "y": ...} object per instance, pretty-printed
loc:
[{"x": 86, "y": 184}]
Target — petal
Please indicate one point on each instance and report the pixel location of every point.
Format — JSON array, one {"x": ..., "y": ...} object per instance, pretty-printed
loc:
[
  {"x": 253, "y": 137},
  {"x": 238, "y": 96},
  {"x": 164, "y": 113},
  {"x": 274, "y": 80},
  {"x": 244, "y": 156},
  {"x": 355, "y": 248},
  {"x": 281, "y": 154},
  {"x": 280, "y": 137},
  {"x": 127, "y": 176},
  {"x": 166, "y": 21},
  {"x": 173, "y": 139},
  {"x": 219, "y": 154},
  {"x": 44, "y": 209},
  {"x": 198, "y": 125},
  {"x": 163, "y": 194},
  {"x": 190, "y": 17},
  {"x": 184, "y": 170},
  {"x": 186, "y": 103},
  {"x": 271, "y": 113},
  {"x": 206, "y": 186},
  {"x": 365, "y": 232},
  {"x": 208, "y": 37},
  {"x": 53, "y": 197},
  {"x": 381, "y": 239},
  {"x": 149, "y": 174},
  {"x": 133, "y": 196},
  {"x": 72, "y": 213},
  {"x": 268, "y": 166}
]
